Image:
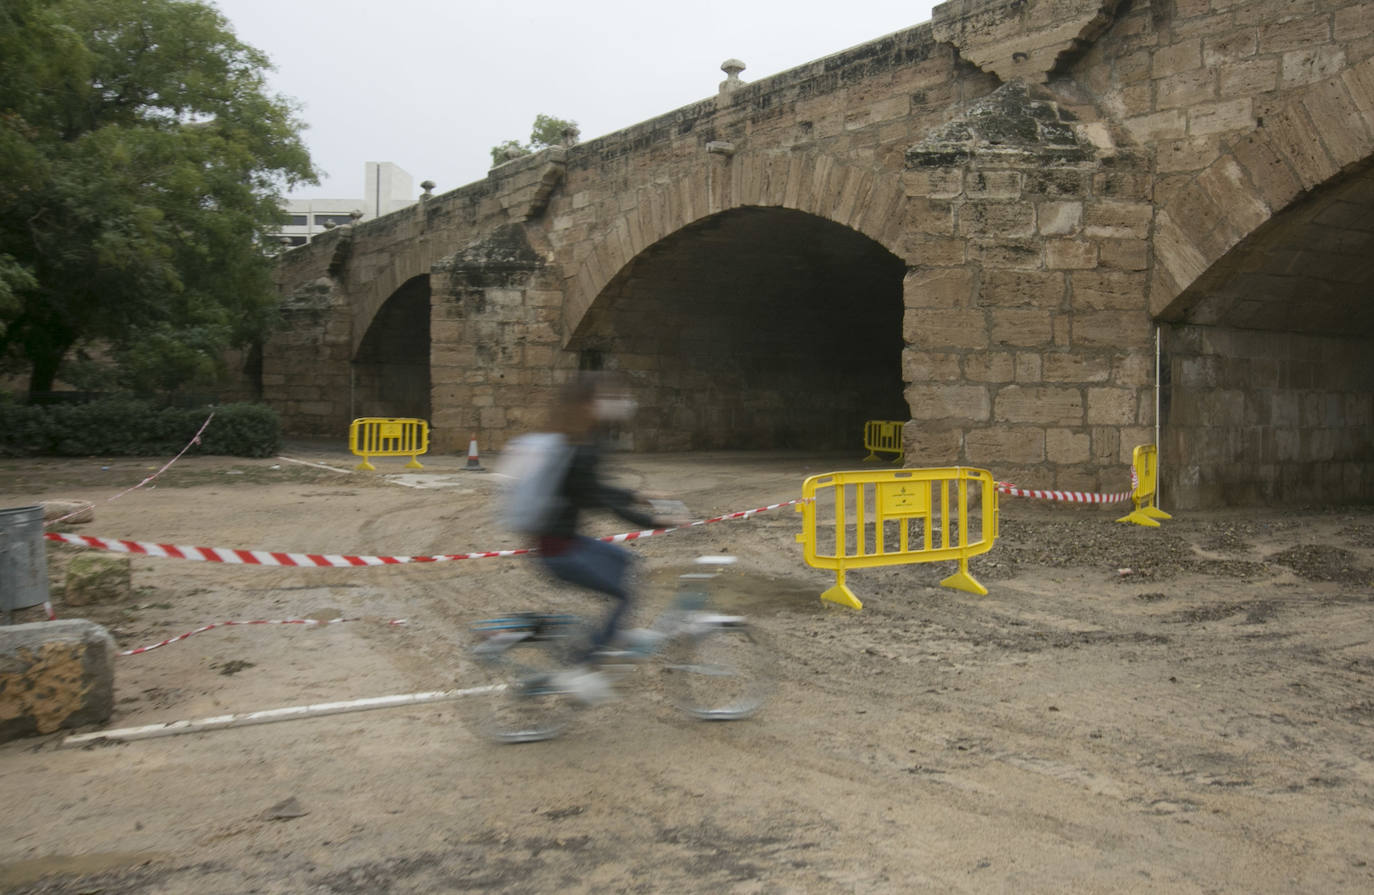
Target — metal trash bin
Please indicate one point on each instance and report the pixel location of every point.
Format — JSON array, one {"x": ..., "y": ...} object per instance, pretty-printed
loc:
[{"x": 23, "y": 562}]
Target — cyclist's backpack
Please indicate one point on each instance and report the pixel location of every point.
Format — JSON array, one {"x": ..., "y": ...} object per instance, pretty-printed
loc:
[{"x": 535, "y": 464}]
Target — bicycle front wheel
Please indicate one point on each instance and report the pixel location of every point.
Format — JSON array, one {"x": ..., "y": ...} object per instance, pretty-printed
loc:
[
  {"x": 514, "y": 699},
  {"x": 719, "y": 672}
]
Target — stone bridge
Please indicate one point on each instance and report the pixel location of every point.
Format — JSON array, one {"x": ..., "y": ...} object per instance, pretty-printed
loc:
[{"x": 1043, "y": 231}]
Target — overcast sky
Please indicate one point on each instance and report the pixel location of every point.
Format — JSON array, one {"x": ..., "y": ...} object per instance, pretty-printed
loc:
[{"x": 432, "y": 85}]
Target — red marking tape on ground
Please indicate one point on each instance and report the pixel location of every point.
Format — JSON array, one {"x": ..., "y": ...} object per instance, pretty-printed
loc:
[
  {"x": 1067, "y": 496},
  {"x": 339, "y": 560},
  {"x": 228, "y": 624}
]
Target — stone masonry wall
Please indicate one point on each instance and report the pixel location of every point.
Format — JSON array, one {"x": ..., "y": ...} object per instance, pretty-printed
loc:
[
  {"x": 1259, "y": 418},
  {"x": 1028, "y": 345}
]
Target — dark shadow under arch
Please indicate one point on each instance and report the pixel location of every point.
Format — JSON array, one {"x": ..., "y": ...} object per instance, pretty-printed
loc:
[
  {"x": 391, "y": 376},
  {"x": 754, "y": 328}
]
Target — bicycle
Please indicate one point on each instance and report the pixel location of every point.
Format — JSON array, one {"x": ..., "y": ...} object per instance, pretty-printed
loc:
[{"x": 714, "y": 667}]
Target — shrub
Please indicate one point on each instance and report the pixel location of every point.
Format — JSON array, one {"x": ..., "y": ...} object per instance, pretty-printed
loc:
[{"x": 124, "y": 426}]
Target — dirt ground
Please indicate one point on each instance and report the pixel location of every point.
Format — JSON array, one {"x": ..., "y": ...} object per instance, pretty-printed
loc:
[{"x": 1183, "y": 709}]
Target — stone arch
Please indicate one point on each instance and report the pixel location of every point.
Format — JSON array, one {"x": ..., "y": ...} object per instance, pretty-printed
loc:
[
  {"x": 384, "y": 274},
  {"x": 857, "y": 197},
  {"x": 390, "y": 367},
  {"x": 1315, "y": 137}
]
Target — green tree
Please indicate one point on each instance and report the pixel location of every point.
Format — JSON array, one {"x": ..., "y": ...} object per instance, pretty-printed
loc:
[
  {"x": 142, "y": 160},
  {"x": 546, "y": 131}
]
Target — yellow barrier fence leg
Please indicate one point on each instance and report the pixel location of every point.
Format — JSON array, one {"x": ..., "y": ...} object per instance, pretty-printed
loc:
[
  {"x": 962, "y": 580},
  {"x": 1139, "y": 517},
  {"x": 414, "y": 463},
  {"x": 1155, "y": 513},
  {"x": 841, "y": 594},
  {"x": 365, "y": 464}
]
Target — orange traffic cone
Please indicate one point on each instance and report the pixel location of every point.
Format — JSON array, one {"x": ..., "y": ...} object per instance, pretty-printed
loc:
[{"x": 474, "y": 464}]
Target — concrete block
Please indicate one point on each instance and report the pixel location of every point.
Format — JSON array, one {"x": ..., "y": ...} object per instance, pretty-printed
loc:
[
  {"x": 98, "y": 579},
  {"x": 54, "y": 675}
]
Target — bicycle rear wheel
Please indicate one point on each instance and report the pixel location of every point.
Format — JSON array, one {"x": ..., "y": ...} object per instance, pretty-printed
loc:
[
  {"x": 513, "y": 698},
  {"x": 717, "y": 672}
]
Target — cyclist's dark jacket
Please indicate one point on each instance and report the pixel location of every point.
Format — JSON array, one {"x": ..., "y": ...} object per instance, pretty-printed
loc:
[{"x": 583, "y": 489}]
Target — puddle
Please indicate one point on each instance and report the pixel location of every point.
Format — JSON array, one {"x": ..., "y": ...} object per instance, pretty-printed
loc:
[{"x": 21, "y": 873}]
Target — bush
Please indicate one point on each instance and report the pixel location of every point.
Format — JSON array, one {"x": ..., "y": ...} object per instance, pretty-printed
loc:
[{"x": 122, "y": 426}]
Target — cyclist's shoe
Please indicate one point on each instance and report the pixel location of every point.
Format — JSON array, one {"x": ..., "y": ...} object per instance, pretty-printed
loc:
[{"x": 588, "y": 686}]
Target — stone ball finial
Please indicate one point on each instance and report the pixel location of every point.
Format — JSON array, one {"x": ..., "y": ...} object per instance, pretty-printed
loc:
[
  {"x": 355, "y": 214},
  {"x": 427, "y": 186},
  {"x": 732, "y": 68}
]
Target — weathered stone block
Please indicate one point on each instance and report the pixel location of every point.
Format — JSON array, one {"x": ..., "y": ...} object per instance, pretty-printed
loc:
[
  {"x": 1180, "y": 57},
  {"x": 1023, "y": 289},
  {"x": 1117, "y": 329},
  {"x": 1098, "y": 290},
  {"x": 945, "y": 329},
  {"x": 1070, "y": 254},
  {"x": 1223, "y": 117},
  {"x": 929, "y": 366},
  {"x": 1059, "y": 218},
  {"x": 1029, "y": 367},
  {"x": 1124, "y": 254},
  {"x": 54, "y": 675},
  {"x": 1118, "y": 220},
  {"x": 98, "y": 579},
  {"x": 997, "y": 219},
  {"x": 951, "y": 402},
  {"x": 1005, "y": 444},
  {"x": 932, "y": 444},
  {"x": 1111, "y": 406},
  {"x": 946, "y": 287},
  {"x": 989, "y": 366},
  {"x": 992, "y": 184},
  {"x": 1021, "y": 328},
  {"x": 1067, "y": 446},
  {"x": 1042, "y": 405}
]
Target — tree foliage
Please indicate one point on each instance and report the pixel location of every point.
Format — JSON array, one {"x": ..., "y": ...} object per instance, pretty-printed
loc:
[
  {"x": 546, "y": 131},
  {"x": 142, "y": 160}
]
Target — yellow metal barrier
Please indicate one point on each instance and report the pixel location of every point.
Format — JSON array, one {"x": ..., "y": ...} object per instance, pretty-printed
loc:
[
  {"x": 891, "y": 517},
  {"x": 382, "y": 437},
  {"x": 1145, "y": 466},
  {"x": 885, "y": 436}
]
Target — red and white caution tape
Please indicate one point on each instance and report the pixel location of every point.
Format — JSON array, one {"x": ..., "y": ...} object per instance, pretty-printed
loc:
[
  {"x": 228, "y": 624},
  {"x": 195, "y": 439},
  {"x": 337, "y": 560},
  {"x": 1067, "y": 496}
]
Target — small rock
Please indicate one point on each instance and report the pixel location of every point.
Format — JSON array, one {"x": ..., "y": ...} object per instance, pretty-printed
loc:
[{"x": 288, "y": 809}]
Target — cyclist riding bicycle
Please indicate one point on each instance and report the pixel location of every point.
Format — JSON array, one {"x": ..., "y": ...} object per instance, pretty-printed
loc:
[{"x": 586, "y": 407}]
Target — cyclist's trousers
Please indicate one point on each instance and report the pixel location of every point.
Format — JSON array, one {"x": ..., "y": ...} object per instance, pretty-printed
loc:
[{"x": 601, "y": 567}]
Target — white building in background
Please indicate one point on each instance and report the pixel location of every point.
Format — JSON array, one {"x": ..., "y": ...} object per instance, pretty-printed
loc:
[{"x": 386, "y": 188}]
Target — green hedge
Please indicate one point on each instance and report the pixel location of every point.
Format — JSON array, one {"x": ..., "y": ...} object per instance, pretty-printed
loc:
[{"x": 132, "y": 427}]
